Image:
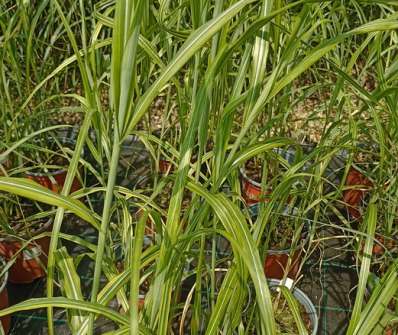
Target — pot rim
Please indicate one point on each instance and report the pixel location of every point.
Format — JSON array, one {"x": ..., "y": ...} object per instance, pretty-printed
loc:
[
  {"x": 46, "y": 174},
  {"x": 58, "y": 171},
  {"x": 41, "y": 230},
  {"x": 242, "y": 171},
  {"x": 286, "y": 153},
  {"x": 303, "y": 299},
  {"x": 289, "y": 154},
  {"x": 284, "y": 251}
]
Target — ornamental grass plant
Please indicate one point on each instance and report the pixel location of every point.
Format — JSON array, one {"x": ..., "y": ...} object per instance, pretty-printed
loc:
[{"x": 206, "y": 86}]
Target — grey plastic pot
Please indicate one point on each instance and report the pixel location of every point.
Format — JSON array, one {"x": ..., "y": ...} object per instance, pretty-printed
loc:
[
  {"x": 303, "y": 299},
  {"x": 69, "y": 133},
  {"x": 288, "y": 154}
]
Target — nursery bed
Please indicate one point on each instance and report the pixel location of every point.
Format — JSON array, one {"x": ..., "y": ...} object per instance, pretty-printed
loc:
[
  {"x": 35, "y": 322},
  {"x": 330, "y": 284},
  {"x": 160, "y": 124},
  {"x": 329, "y": 289}
]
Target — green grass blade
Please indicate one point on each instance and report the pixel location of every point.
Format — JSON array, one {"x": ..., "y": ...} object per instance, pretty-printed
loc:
[
  {"x": 37, "y": 303},
  {"x": 190, "y": 47},
  {"x": 377, "y": 306},
  {"x": 135, "y": 275},
  {"x": 235, "y": 223},
  {"x": 31, "y": 190},
  {"x": 70, "y": 283},
  {"x": 371, "y": 219},
  {"x": 294, "y": 309}
]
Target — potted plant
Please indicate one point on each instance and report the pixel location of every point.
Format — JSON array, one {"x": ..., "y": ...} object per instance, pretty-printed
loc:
[
  {"x": 377, "y": 284},
  {"x": 164, "y": 166},
  {"x": 285, "y": 242},
  {"x": 386, "y": 244},
  {"x": 133, "y": 160},
  {"x": 47, "y": 161},
  {"x": 374, "y": 281},
  {"x": 358, "y": 185},
  {"x": 358, "y": 181},
  {"x": 293, "y": 310},
  {"x": 5, "y": 320},
  {"x": 19, "y": 244},
  {"x": 252, "y": 173},
  {"x": 152, "y": 224},
  {"x": 387, "y": 223},
  {"x": 385, "y": 248},
  {"x": 284, "y": 321}
]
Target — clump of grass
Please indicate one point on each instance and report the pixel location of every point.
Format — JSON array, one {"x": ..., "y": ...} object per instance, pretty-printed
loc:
[{"x": 226, "y": 73}]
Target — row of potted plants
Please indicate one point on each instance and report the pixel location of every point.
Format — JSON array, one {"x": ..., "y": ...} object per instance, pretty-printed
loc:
[
  {"x": 234, "y": 70},
  {"x": 25, "y": 225},
  {"x": 288, "y": 231},
  {"x": 360, "y": 187},
  {"x": 281, "y": 260},
  {"x": 356, "y": 194}
]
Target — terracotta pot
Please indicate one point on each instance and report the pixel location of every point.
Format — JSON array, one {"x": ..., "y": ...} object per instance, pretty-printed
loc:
[
  {"x": 5, "y": 320},
  {"x": 353, "y": 198},
  {"x": 55, "y": 179},
  {"x": 165, "y": 166},
  {"x": 377, "y": 250},
  {"x": 141, "y": 301},
  {"x": 114, "y": 304},
  {"x": 252, "y": 190},
  {"x": 383, "y": 245},
  {"x": 276, "y": 262},
  {"x": 59, "y": 180},
  {"x": 26, "y": 268}
]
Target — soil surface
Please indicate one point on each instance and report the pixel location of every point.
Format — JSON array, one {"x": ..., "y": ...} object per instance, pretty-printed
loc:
[
  {"x": 282, "y": 233},
  {"x": 254, "y": 169},
  {"x": 285, "y": 323}
]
